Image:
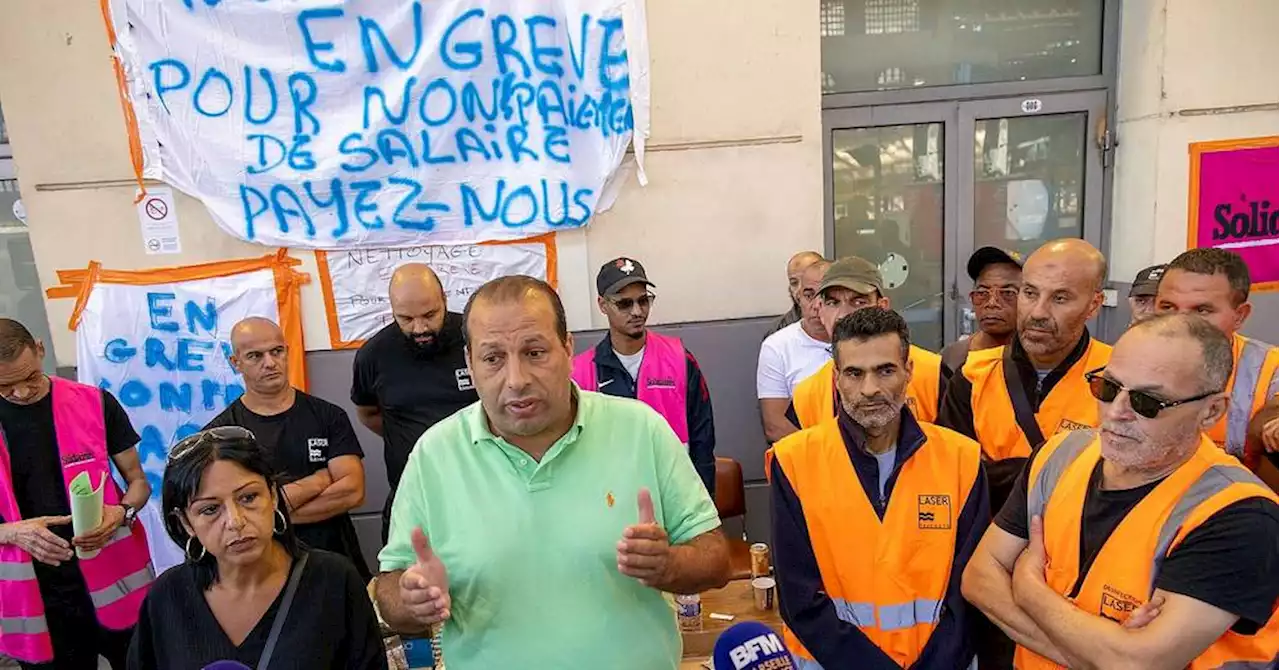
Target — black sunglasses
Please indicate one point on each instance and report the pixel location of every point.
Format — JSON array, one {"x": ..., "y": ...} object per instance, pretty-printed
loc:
[
  {"x": 625, "y": 304},
  {"x": 1144, "y": 404},
  {"x": 221, "y": 433}
]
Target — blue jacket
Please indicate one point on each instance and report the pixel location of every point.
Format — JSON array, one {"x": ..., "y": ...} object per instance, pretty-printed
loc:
[{"x": 613, "y": 379}]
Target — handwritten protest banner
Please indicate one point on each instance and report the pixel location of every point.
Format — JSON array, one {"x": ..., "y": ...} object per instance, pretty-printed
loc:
[
  {"x": 159, "y": 340},
  {"x": 354, "y": 282},
  {"x": 369, "y": 123},
  {"x": 1234, "y": 203}
]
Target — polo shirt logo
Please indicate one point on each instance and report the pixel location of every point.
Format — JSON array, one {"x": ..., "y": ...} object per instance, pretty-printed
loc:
[
  {"x": 656, "y": 383},
  {"x": 463, "y": 376},
  {"x": 935, "y": 512},
  {"x": 1068, "y": 425},
  {"x": 609, "y": 499},
  {"x": 316, "y": 446}
]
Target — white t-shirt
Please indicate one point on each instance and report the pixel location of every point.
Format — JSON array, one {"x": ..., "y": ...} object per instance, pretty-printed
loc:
[
  {"x": 631, "y": 362},
  {"x": 787, "y": 358}
]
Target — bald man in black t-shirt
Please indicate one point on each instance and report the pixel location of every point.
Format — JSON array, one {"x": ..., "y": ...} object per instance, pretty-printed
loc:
[{"x": 413, "y": 373}]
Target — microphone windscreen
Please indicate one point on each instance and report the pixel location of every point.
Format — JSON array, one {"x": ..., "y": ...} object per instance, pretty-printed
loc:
[
  {"x": 227, "y": 665},
  {"x": 751, "y": 645}
]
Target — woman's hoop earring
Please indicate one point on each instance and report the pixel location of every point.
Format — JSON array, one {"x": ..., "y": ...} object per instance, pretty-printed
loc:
[
  {"x": 195, "y": 559},
  {"x": 284, "y": 523}
]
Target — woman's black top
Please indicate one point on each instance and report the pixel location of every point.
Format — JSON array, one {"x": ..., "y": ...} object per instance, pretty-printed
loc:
[{"x": 330, "y": 624}]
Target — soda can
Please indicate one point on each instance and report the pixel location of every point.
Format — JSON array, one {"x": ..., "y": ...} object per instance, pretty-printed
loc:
[{"x": 759, "y": 560}]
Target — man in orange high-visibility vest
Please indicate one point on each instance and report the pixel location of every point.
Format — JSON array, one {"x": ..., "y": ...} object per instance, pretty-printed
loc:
[{"x": 1140, "y": 544}]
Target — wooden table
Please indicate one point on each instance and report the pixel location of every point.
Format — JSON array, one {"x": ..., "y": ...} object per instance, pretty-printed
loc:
[{"x": 735, "y": 599}]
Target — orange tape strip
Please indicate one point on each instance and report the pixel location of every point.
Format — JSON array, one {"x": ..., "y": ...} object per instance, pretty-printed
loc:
[{"x": 288, "y": 282}]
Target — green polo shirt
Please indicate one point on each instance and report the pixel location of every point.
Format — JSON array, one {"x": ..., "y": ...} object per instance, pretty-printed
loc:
[{"x": 531, "y": 547}]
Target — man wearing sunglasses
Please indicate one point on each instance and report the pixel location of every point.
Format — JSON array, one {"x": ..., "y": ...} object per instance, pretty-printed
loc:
[
  {"x": 852, "y": 284},
  {"x": 1214, "y": 284},
  {"x": 65, "y": 600},
  {"x": 635, "y": 362},
  {"x": 997, "y": 277},
  {"x": 1140, "y": 544}
]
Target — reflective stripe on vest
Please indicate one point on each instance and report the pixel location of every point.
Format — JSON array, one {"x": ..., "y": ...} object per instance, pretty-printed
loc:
[
  {"x": 1249, "y": 665},
  {"x": 122, "y": 587},
  {"x": 891, "y": 617},
  {"x": 31, "y": 625},
  {"x": 16, "y": 572},
  {"x": 1240, "y": 411},
  {"x": 1211, "y": 482},
  {"x": 1066, "y": 453}
]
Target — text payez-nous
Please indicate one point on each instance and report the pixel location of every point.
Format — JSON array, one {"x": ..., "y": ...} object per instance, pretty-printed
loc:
[{"x": 547, "y": 83}]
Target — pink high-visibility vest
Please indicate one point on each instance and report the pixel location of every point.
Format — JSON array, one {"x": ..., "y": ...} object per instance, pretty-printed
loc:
[
  {"x": 663, "y": 383},
  {"x": 117, "y": 577}
]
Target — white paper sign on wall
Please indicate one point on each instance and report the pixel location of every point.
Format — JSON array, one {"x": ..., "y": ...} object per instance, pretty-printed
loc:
[{"x": 354, "y": 282}]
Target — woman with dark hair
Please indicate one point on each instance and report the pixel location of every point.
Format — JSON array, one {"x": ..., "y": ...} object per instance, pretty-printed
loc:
[{"x": 248, "y": 592}]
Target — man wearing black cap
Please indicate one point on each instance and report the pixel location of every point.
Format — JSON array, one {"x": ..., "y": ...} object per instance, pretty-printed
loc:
[
  {"x": 997, "y": 276},
  {"x": 633, "y": 362},
  {"x": 1142, "y": 294}
]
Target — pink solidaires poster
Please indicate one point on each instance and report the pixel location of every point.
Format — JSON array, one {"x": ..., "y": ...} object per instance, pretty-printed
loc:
[{"x": 1235, "y": 203}]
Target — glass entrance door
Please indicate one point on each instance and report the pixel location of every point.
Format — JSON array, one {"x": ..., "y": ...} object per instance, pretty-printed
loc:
[
  {"x": 1033, "y": 173},
  {"x": 916, "y": 188},
  {"x": 887, "y": 179}
]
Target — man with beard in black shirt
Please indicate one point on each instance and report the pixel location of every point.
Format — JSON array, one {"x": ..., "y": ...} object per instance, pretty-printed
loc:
[
  {"x": 412, "y": 373},
  {"x": 311, "y": 441}
]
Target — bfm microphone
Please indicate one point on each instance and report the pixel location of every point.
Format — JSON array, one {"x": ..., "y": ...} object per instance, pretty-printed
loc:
[
  {"x": 226, "y": 665},
  {"x": 751, "y": 645}
]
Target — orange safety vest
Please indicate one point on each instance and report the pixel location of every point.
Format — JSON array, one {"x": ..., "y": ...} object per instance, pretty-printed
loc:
[
  {"x": 1069, "y": 405},
  {"x": 887, "y": 577},
  {"x": 1123, "y": 574},
  {"x": 814, "y": 398},
  {"x": 1253, "y": 380}
]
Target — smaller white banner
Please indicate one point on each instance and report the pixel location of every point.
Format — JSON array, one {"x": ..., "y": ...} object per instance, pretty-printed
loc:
[
  {"x": 163, "y": 351},
  {"x": 356, "y": 284}
]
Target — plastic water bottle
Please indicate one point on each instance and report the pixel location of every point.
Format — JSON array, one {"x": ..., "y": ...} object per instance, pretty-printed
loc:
[{"x": 689, "y": 612}]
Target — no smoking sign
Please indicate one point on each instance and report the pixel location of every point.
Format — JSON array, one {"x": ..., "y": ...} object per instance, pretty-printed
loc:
[
  {"x": 158, "y": 222},
  {"x": 156, "y": 209}
]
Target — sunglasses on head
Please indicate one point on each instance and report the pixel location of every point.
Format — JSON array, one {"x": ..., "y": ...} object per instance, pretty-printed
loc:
[
  {"x": 625, "y": 304},
  {"x": 1144, "y": 404},
  {"x": 219, "y": 434}
]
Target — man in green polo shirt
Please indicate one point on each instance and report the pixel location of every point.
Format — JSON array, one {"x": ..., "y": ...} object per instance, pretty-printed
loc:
[{"x": 556, "y": 517}]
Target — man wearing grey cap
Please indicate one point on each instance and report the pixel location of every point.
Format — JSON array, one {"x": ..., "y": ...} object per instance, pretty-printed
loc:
[
  {"x": 656, "y": 369},
  {"x": 997, "y": 276},
  {"x": 1142, "y": 294},
  {"x": 849, "y": 285}
]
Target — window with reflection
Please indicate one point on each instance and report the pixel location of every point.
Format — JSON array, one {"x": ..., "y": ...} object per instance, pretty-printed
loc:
[
  {"x": 887, "y": 207},
  {"x": 870, "y": 45}
]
